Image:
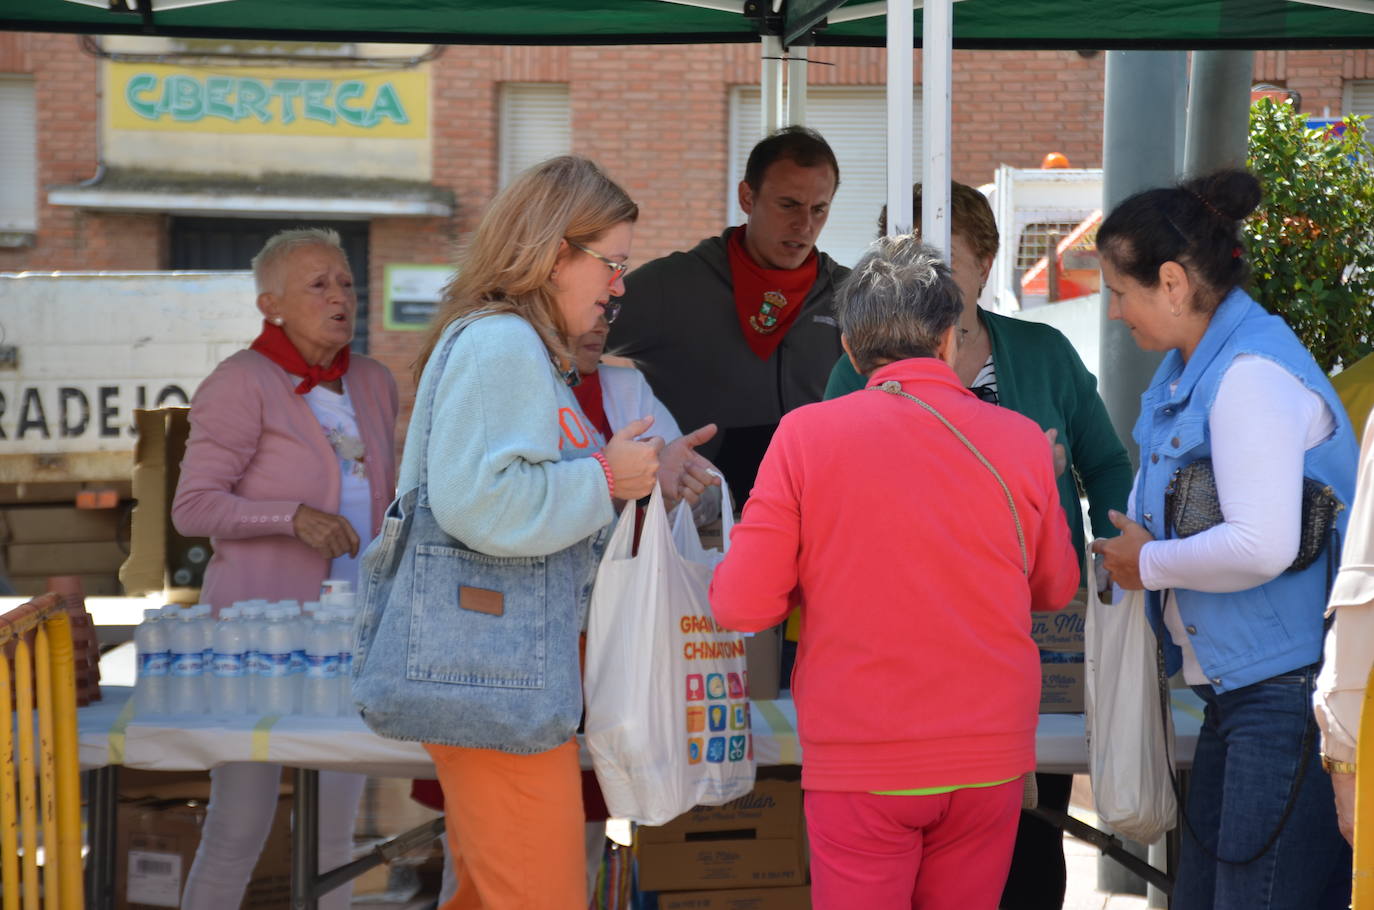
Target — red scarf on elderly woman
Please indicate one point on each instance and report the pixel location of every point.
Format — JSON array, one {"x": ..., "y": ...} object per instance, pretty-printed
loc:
[{"x": 274, "y": 344}]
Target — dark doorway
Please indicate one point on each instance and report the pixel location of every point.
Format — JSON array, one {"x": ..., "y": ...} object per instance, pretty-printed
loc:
[{"x": 221, "y": 244}]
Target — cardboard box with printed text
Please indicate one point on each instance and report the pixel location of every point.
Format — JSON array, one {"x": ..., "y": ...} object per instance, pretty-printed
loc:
[
  {"x": 738, "y": 899},
  {"x": 1059, "y": 635}
]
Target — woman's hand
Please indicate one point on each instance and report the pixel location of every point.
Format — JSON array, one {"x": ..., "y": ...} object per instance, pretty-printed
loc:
[
  {"x": 633, "y": 462},
  {"x": 1121, "y": 555},
  {"x": 1344, "y": 785},
  {"x": 682, "y": 473},
  {"x": 1061, "y": 456},
  {"x": 329, "y": 535}
]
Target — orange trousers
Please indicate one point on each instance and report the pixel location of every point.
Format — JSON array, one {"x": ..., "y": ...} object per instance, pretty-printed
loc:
[{"x": 515, "y": 827}]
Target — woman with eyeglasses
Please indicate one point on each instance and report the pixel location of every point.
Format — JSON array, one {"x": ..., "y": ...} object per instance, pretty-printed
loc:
[
  {"x": 515, "y": 471},
  {"x": 1030, "y": 368}
]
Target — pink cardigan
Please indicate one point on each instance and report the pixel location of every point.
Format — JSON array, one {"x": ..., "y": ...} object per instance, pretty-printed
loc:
[
  {"x": 255, "y": 453},
  {"x": 915, "y": 665}
]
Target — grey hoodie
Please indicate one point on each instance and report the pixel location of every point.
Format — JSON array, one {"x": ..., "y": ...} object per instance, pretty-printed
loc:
[{"x": 679, "y": 325}]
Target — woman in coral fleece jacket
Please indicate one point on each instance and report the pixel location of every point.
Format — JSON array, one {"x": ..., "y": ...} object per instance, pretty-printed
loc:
[{"x": 917, "y": 682}]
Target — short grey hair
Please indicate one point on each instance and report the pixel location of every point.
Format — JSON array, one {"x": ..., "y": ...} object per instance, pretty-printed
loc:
[
  {"x": 279, "y": 247},
  {"x": 897, "y": 303}
]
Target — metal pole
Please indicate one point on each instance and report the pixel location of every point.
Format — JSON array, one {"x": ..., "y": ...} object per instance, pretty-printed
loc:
[
  {"x": 796, "y": 85},
  {"x": 901, "y": 39},
  {"x": 770, "y": 84},
  {"x": 937, "y": 36},
  {"x": 305, "y": 840},
  {"x": 1143, "y": 92},
  {"x": 1218, "y": 111}
]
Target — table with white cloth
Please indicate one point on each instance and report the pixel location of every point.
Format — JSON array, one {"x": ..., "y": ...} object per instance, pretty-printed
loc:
[{"x": 110, "y": 735}]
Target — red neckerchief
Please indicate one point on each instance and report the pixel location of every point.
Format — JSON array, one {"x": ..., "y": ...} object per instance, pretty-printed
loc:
[
  {"x": 767, "y": 301},
  {"x": 588, "y": 395},
  {"x": 276, "y": 347}
]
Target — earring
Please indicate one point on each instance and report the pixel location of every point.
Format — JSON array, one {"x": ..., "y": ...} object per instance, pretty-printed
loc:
[{"x": 277, "y": 320}]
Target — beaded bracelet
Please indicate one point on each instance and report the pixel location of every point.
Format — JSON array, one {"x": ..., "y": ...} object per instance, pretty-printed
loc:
[{"x": 606, "y": 466}]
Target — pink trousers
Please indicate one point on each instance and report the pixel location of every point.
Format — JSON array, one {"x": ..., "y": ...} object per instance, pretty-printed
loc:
[{"x": 944, "y": 852}]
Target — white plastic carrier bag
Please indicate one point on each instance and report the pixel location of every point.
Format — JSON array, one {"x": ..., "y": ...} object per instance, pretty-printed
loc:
[
  {"x": 1129, "y": 737},
  {"x": 667, "y": 721}
]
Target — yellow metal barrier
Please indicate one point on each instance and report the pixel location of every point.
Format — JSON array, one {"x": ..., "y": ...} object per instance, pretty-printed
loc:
[
  {"x": 1362, "y": 891},
  {"x": 39, "y": 779}
]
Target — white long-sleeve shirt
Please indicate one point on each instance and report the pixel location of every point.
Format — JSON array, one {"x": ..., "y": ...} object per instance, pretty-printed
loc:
[
  {"x": 1350, "y": 641},
  {"x": 1262, "y": 423}
]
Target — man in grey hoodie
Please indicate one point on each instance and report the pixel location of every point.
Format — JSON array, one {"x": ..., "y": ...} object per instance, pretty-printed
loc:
[{"x": 739, "y": 330}]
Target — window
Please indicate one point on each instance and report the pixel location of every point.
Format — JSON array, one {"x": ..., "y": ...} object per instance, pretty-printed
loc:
[
  {"x": 853, "y": 119},
  {"x": 1359, "y": 97},
  {"x": 536, "y": 123},
  {"x": 18, "y": 160}
]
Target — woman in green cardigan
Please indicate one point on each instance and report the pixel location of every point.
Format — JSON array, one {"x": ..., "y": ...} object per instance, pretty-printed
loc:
[{"x": 1032, "y": 369}]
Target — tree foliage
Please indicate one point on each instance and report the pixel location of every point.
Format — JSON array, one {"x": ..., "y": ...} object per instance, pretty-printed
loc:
[{"x": 1311, "y": 241}]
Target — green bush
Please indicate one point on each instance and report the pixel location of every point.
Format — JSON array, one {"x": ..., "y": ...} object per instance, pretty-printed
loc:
[{"x": 1311, "y": 242}]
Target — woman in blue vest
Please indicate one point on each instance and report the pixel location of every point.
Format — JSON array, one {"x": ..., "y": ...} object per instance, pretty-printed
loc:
[{"x": 1236, "y": 386}]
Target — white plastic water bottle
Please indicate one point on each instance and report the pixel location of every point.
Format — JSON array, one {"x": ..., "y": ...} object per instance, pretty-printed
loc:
[
  {"x": 229, "y": 688},
  {"x": 205, "y": 615},
  {"x": 298, "y": 626},
  {"x": 275, "y": 692},
  {"x": 150, "y": 642},
  {"x": 250, "y": 614},
  {"x": 320, "y": 687},
  {"x": 186, "y": 690},
  {"x": 342, "y": 624}
]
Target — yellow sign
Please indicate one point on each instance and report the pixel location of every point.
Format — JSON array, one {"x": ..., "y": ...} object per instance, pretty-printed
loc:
[{"x": 281, "y": 101}]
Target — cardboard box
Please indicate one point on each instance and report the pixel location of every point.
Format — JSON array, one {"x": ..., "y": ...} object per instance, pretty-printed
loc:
[
  {"x": 91, "y": 585},
  {"x": 772, "y": 810},
  {"x": 702, "y": 864},
  {"x": 159, "y": 557},
  {"x": 80, "y": 558},
  {"x": 157, "y": 844},
  {"x": 1059, "y": 635},
  {"x": 745, "y": 899},
  {"x": 57, "y": 524}
]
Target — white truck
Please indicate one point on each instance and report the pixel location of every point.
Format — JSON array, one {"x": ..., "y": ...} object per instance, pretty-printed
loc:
[{"x": 79, "y": 352}]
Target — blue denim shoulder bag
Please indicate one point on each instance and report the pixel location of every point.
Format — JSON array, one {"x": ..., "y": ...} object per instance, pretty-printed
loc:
[{"x": 455, "y": 647}]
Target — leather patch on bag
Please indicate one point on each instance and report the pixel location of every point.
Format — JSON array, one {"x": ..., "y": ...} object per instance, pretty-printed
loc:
[{"x": 480, "y": 600}]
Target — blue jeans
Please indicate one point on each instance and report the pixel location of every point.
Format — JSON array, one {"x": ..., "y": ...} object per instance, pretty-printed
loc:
[{"x": 1256, "y": 745}]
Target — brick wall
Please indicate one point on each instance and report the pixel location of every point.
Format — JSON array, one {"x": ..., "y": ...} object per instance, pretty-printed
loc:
[
  {"x": 66, "y": 90},
  {"x": 655, "y": 117}
]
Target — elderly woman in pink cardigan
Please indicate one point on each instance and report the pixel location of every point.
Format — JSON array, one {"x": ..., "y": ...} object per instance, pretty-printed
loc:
[{"x": 288, "y": 469}]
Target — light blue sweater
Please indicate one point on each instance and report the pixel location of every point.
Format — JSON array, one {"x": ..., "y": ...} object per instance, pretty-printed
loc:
[{"x": 510, "y": 472}]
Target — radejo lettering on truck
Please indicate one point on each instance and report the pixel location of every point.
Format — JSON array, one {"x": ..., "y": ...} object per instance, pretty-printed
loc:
[{"x": 53, "y": 411}]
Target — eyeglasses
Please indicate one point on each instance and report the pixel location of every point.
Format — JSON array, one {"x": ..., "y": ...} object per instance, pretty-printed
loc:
[{"x": 617, "y": 268}]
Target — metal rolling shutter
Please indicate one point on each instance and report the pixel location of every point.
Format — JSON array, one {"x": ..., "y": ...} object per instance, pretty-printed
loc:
[
  {"x": 18, "y": 156},
  {"x": 536, "y": 123}
]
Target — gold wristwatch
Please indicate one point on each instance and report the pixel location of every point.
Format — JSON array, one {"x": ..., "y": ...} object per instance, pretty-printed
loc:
[{"x": 1331, "y": 766}]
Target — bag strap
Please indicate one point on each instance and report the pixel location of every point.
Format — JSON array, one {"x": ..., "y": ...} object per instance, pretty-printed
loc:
[
  {"x": 893, "y": 387},
  {"x": 438, "y": 362}
]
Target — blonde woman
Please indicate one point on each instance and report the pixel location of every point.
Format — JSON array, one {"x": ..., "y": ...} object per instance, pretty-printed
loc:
[{"x": 514, "y": 471}]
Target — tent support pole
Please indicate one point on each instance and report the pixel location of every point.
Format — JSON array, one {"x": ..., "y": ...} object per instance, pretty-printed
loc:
[
  {"x": 1144, "y": 93},
  {"x": 937, "y": 56},
  {"x": 796, "y": 84},
  {"x": 900, "y": 110},
  {"x": 770, "y": 84},
  {"x": 1218, "y": 111}
]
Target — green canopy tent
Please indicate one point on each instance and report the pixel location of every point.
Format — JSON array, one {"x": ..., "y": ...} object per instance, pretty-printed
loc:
[{"x": 982, "y": 24}]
